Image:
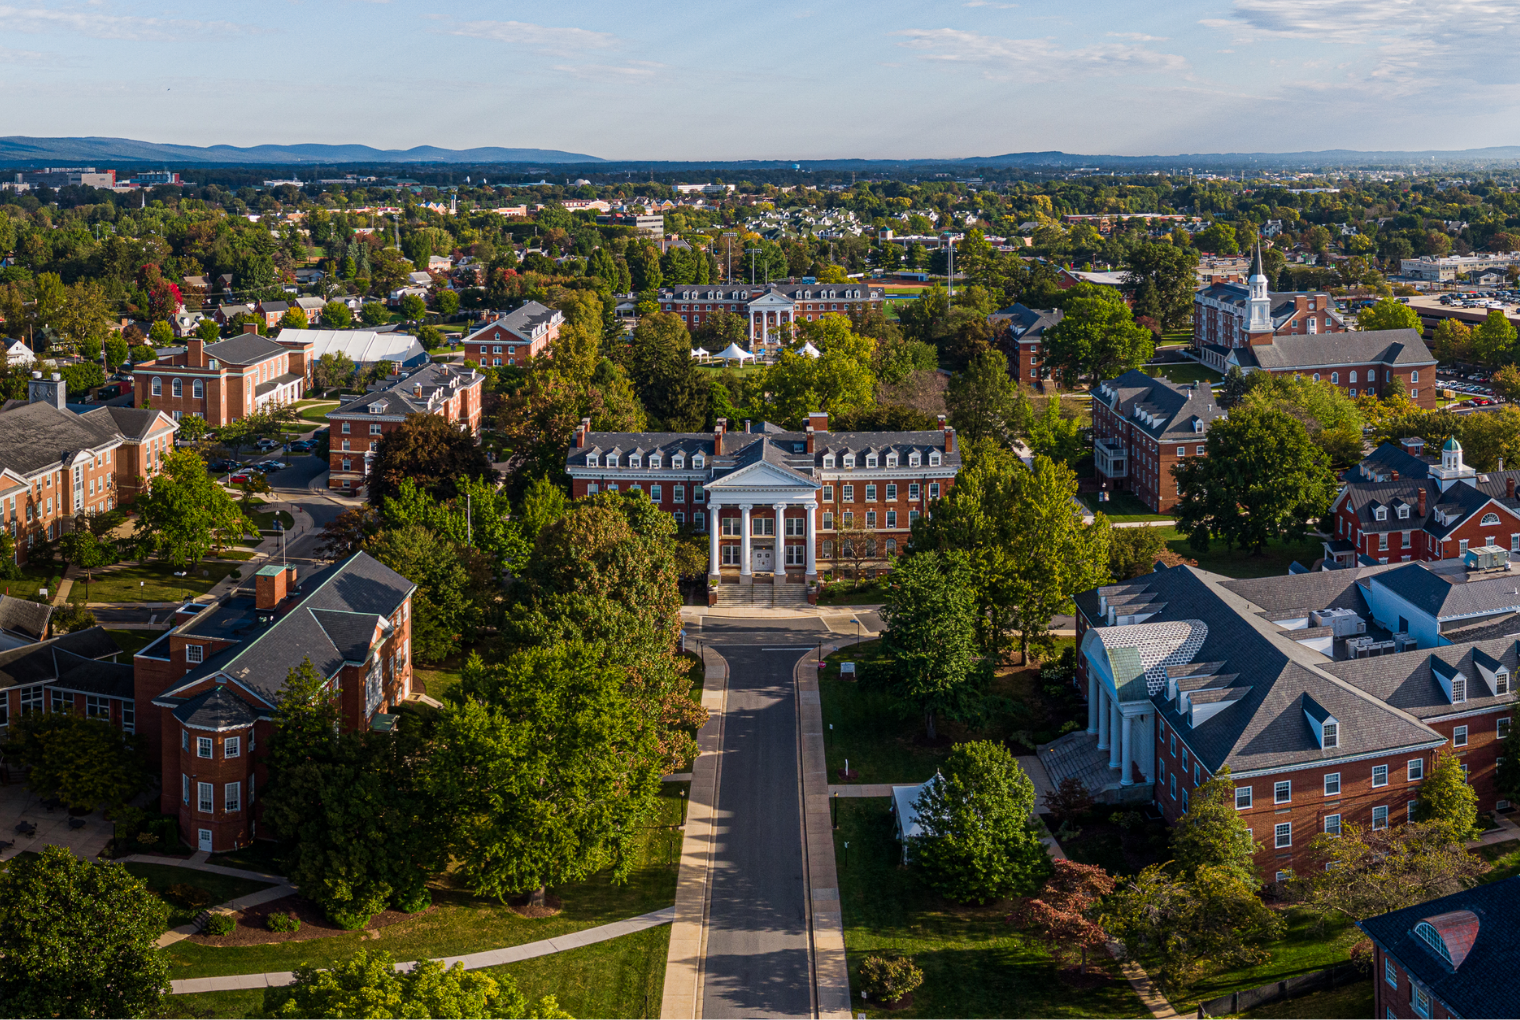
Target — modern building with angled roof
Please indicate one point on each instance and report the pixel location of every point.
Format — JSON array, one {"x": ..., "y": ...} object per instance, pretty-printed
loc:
[
  {"x": 214, "y": 681},
  {"x": 775, "y": 503},
  {"x": 1325, "y": 694},
  {"x": 1143, "y": 427},
  {"x": 356, "y": 427},
  {"x": 1449, "y": 957}
]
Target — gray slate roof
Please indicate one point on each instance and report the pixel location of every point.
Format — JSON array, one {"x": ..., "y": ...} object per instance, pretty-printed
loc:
[
  {"x": 244, "y": 349},
  {"x": 38, "y": 435},
  {"x": 216, "y": 710},
  {"x": 1031, "y": 323},
  {"x": 1448, "y": 595},
  {"x": 768, "y": 442},
  {"x": 132, "y": 422},
  {"x": 23, "y": 616},
  {"x": 1407, "y": 680},
  {"x": 1401, "y": 347},
  {"x": 400, "y": 398},
  {"x": 1175, "y": 406},
  {"x": 76, "y": 656}
]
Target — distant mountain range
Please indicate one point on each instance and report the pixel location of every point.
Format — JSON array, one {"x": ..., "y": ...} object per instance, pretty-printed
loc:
[{"x": 21, "y": 149}]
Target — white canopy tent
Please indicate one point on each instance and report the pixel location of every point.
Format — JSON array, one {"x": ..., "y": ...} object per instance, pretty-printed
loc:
[
  {"x": 809, "y": 350},
  {"x": 734, "y": 351},
  {"x": 700, "y": 354}
]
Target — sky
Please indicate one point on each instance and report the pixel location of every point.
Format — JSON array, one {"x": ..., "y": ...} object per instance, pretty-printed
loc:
[{"x": 788, "y": 79}]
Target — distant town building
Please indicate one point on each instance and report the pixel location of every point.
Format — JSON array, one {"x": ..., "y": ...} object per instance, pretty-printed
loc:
[
  {"x": 1450, "y": 268},
  {"x": 768, "y": 307}
]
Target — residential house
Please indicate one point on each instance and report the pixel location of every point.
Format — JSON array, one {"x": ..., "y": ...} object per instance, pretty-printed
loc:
[
  {"x": 17, "y": 353},
  {"x": 271, "y": 311}
]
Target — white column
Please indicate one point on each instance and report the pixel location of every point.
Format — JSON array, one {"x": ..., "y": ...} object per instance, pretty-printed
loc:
[
  {"x": 1104, "y": 717},
  {"x": 1127, "y": 771},
  {"x": 1093, "y": 689},
  {"x": 779, "y": 567},
  {"x": 714, "y": 562},
  {"x": 745, "y": 570},
  {"x": 812, "y": 541},
  {"x": 1115, "y": 737},
  {"x": 1148, "y": 746}
]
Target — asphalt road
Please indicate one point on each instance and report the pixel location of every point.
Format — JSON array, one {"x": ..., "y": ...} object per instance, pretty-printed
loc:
[{"x": 757, "y": 962}]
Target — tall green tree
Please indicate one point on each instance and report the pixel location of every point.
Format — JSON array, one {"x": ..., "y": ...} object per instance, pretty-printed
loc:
[
  {"x": 185, "y": 513},
  {"x": 671, "y": 389},
  {"x": 984, "y": 401},
  {"x": 1360, "y": 873},
  {"x": 544, "y": 770},
  {"x": 369, "y": 985},
  {"x": 86, "y": 763},
  {"x": 928, "y": 650},
  {"x": 1163, "y": 279},
  {"x": 979, "y": 840},
  {"x": 1263, "y": 479},
  {"x": 453, "y": 587},
  {"x": 1452, "y": 341},
  {"x": 1493, "y": 341},
  {"x": 1389, "y": 313},
  {"x": 1097, "y": 338},
  {"x": 1447, "y": 798},
  {"x": 337, "y": 315},
  {"x": 78, "y": 939},
  {"x": 1052, "y": 434},
  {"x": 1212, "y": 834}
]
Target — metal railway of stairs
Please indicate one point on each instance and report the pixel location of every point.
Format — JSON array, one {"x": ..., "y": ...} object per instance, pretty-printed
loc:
[{"x": 771, "y": 596}]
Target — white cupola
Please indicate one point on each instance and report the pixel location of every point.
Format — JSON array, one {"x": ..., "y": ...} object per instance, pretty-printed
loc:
[{"x": 1261, "y": 305}]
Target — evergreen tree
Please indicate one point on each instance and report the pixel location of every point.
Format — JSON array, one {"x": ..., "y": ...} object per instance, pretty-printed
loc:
[{"x": 928, "y": 648}]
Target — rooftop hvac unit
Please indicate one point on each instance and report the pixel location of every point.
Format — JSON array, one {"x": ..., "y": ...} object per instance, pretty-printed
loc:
[
  {"x": 1342, "y": 622},
  {"x": 1405, "y": 643}
]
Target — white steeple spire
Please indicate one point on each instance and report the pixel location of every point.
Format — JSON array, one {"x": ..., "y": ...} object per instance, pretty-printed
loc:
[{"x": 1260, "y": 320}]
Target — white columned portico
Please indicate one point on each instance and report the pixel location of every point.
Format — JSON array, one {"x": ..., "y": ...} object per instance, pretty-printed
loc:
[
  {"x": 1104, "y": 717},
  {"x": 746, "y": 568},
  {"x": 1148, "y": 746},
  {"x": 1127, "y": 759},
  {"x": 779, "y": 567},
  {"x": 812, "y": 541},
  {"x": 714, "y": 561},
  {"x": 1115, "y": 738},
  {"x": 1093, "y": 690}
]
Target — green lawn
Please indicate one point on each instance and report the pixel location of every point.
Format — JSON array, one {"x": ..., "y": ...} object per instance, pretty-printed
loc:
[
  {"x": 974, "y": 963},
  {"x": 221, "y": 888},
  {"x": 624, "y": 977},
  {"x": 1272, "y": 561},
  {"x": 847, "y": 592},
  {"x": 262, "y": 856},
  {"x": 1122, "y": 506},
  {"x": 130, "y": 641},
  {"x": 1345, "y": 1003},
  {"x": 436, "y": 681},
  {"x": 886, "y": 744},
  {"x": 1505, "y": 858},
  {"x": 265, "y": 519},
  {"x": 463, "y": 923},
  {"x": 1185, "y": 372},
  {"x": 318, "y": 412},
  {"x": 151, "y": 582},
  {"x": 1304, "y": 947}
]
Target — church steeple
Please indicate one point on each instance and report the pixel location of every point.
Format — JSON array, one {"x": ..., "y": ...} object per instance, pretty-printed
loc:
[{"x": 1260, "y": 318}]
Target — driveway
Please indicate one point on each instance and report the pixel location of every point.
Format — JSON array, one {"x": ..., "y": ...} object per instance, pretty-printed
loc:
[{"x": 757, "y": 960}]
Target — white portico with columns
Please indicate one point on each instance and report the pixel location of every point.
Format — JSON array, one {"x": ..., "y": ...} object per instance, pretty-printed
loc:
[
  {"x": 1125, "y": 666},
  {"x": 766, "y": 517}
]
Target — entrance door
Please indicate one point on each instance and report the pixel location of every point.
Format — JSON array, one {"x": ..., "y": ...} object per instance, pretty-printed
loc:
[
  {"x": 765, "y": 559},
  {"x": 205, "y": 840}
]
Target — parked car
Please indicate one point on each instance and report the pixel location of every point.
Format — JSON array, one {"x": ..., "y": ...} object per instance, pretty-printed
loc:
[
  {"x": 241, "y": 476},
  {"x": 300, "y": 446},
  {"x": 268, "y": 444},
  {"x": 272, "y": 465}
]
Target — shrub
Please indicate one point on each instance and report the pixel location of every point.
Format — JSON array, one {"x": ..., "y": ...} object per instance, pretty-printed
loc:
[
  {"x": 414, "y": 902},
  {"x": 187, "y": 895},
  {"x": 888, "y": 978},
  {"x": 283, "y": 922},
  {"x": 220, "y": 924}
]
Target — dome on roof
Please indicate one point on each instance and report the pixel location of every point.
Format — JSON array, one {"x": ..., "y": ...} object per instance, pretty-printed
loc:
[{"x": 1451, "y": 444}]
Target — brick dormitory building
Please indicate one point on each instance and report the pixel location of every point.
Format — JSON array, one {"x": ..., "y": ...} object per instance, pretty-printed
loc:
[
  {"x": 356, "y": 427},
  {"x": 225, "y": 380},
  {"x": 771, "y": 307},
  {"x": 56, "y": 464},
  {"x": 776, "y": 503},
  {"x": 1326, "y": 694}
]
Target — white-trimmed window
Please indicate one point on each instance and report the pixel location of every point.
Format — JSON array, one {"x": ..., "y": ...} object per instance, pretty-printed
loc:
[
  {"x": 1282, "y": 792},
  {"x": 1282, "y": 835},
  {"x": 232, "y": 797},
  {"x": 194, "y": 653},
  {"x": 1380, "y": 817},
  {"x": 1380, "y": 775},
  {"x": 232, "y": 747},
  {"x": 1333, "y": 825},
  {"x": 1332, "y": 784},
  {"x": 184, "y": 788},
  {"x": 1459, "y": 736},
  {"x": 203, "y": 748},
  {"x": 1390, "y": 973},
  {"x": 205, "y": 797},
  {"x": 1242, "y": 798}
]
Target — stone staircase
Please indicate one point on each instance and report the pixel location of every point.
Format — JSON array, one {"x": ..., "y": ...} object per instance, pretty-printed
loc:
[
  {"x": 762, "y": 595},
  {"x": 1076, "y": 755}
]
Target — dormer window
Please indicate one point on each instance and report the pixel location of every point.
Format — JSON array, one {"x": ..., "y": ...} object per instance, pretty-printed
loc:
[
  {"x": 654, "y": 461},
  {"x": 593, "y": 460},
  {"x": 612, "y": 460},
  {"x": 678, "y": 461},
  {"x": 1332, "y": 735},
  {"x": 828, "y": 460},
  {"x": 915, "y": 459},
  {"x": 934, "y": 459},
  {"x": 697, "y": 460},
  {"x": 891, "y": 460},
  {"x": 870, "y": 460},
  {"x": 377, "y": 409},
  {"x": 634, "y": 460},
  {"x": 1403, "y": 512},
  {"x": 1381, "y": 513},
  {"x": 849, "y": 460}
]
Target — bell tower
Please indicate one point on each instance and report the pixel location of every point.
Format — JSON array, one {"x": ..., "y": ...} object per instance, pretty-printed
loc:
[{"x": 1259, "y": 321}]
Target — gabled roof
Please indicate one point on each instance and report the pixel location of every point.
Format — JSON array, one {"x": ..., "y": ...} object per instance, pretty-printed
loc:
[
  {"x": 216, "y": 710},
  {"x": 521, "y": 321},
  {"x": 244, "y": 349},
  {"x": 1385, "y": 460},
  {"x": 400, "y": 397},
  {"x": 52, "y": 659},
  {"x": 1479, "y": 931},
  {"x": 1448, "y": 596},
  {"x": 1401, "y": 347},
  {"x": 38, "y": 435},
  {"x": 1171, "y": 409},
  {"x": 135, "y": 423},
  {"x": 23, "y": 616}
]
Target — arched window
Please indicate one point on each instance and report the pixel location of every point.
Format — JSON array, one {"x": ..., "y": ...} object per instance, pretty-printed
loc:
[
  {"x": 158, "y": 386},
  {"x": 1316, "y": 377},
  {"x": 199, "y": 387},
  {"x": 178, "y": 387},
  {"x": 1353, "y": 377},
  {"x": 1489, "y": 519},
  {"x": 1335, "y": 378}
]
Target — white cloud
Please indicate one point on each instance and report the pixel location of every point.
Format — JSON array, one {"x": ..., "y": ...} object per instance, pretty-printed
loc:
[
  {"x": 41, "y": 20},
  {"x": 551, "y": 38},
  {"x": 1138, "y": 36},
  {"x": 1045, "y": 59},
  {"x": 632, "y": 71}
]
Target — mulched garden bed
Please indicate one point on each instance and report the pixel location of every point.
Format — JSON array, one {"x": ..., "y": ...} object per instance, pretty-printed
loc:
[{"x": 252, "y": 927}]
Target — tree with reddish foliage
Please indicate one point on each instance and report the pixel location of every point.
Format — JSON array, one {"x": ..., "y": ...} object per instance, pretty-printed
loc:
[
  {"x": 163, "y": 297},
  {"x": 1070, "y": 800},
  {"x": 1062, "y": 914}
]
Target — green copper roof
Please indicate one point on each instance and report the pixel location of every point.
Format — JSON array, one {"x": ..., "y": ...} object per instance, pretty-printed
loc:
[{"x": 1451, "y": 444}]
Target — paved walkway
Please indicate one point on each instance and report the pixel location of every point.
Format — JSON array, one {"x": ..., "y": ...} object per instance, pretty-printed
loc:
[
  {"x": 470, "y": 961},
  {"x": 1507, "y": 830},
  {"x": 688, "y": 930},
  {"x": 18, "y": 804}
]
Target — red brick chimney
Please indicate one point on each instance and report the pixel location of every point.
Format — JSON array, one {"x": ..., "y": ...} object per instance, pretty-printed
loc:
[
  {"x": 270, "y": 586},
  {"x": 810, "y": 438},
  {"x": 1395, "y": 476},
  {"x": 949, "y": 440},
  {"x": 1422, "y": 501},
  {"x": 818, "y": 421},
  {"x": 1509, "y": 487},
  {"x": 718, "y": 430},
  {"x": 580, "y": 433},
  {"x": 250, "y": 327},
  {"x": 197, "y": 357}
]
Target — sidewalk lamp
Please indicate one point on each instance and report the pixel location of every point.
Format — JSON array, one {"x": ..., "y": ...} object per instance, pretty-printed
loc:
[
  {"x": 856, "y": 622},
  {"x": 834, "y": 802}
]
